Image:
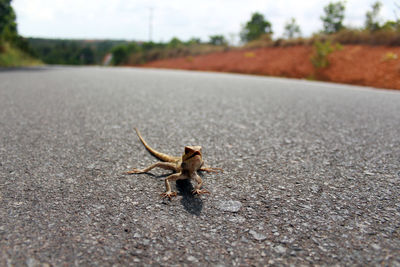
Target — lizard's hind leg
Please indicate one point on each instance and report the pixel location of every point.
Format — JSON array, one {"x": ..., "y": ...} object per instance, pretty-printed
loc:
[{"x": 163, "y": 165}]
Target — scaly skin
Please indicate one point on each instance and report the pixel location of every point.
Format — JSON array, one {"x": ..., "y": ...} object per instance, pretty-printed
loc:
[{"x": 185, "y": 167}]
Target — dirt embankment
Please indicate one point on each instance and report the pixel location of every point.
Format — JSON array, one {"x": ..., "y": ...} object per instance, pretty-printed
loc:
[{"x": 377, "y": 66}]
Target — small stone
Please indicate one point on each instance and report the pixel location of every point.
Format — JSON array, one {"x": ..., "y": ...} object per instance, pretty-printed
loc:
[
  {"x": 230, "y": 205},
  {"x": 287, "y": 141},
  {"x": 368, "y": 173},
  {"x": 280, "y": 249},
  {"x": 257, "y": 236},
  {"x": 376, "y": 246},
  {"x": 91, "y": 166},
  {"x": 191, "y": 258},
  {"x": 237, "y": 219},
  {"x": 263, "y": 254},
  {"x": 315, "y": 188}
]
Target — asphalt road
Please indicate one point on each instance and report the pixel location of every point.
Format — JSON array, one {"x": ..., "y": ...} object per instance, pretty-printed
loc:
[{"x": 311, "y": 175}]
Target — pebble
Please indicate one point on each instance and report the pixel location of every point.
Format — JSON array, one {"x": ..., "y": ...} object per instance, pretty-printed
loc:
[
  {"x": 257, "y": 236},
  {"x": 280, "y": 249},
  {"x": 237, "y": 219},
  {"x": 315, "y": 188},
  {"x": 191, "y": 258},
  {"x": 376, "y": 246},
  {"x": 230, "y": 205}
]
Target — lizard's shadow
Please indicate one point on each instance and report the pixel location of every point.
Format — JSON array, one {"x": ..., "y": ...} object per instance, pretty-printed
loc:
[{"x": 192, "y": 204}]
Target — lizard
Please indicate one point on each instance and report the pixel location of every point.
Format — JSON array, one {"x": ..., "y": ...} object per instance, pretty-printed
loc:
[{"x": 185, "y": 167}]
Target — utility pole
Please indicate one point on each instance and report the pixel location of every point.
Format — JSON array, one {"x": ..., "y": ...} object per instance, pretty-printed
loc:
[{"x": 151, "y": 24}]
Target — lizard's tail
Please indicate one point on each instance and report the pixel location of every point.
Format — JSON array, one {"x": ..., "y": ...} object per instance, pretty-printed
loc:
[{"x": 159, "y": 155}]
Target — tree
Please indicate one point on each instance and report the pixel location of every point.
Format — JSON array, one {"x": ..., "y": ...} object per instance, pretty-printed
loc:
[
  {"x": 292, "y": 29},
  {"x": 175, "y": 42},
  {"x": 333, "y": 19},
  {"x": 194, "y": 40},
  {"x": 218, "y": 40},
  {"x": 372, "y": 17},
  {"x": 86, "y": 56},
  {"x": 8, "y": 26},
  {"x": 120, "y": 54},
  {"x": 256, "y": 27}
]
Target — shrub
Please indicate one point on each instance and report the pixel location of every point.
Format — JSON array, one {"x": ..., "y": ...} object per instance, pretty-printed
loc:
[{"x": 321, "y": 53}]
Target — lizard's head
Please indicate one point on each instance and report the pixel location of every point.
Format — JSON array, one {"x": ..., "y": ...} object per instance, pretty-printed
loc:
[{"x": 192, "y": 156}]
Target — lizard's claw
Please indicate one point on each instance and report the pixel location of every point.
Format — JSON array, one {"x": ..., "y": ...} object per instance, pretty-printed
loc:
[
  {"x": 134, "y": 171},
  {"x": 200, "y": 191},
  {"x": 169, "y": 194}
]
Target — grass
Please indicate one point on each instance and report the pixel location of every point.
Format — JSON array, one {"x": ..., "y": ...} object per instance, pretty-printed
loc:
[{"x": 13, "y": 57}]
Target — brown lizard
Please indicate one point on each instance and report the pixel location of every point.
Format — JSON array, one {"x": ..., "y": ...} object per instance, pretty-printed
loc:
[{"x": 186, "y": 167}]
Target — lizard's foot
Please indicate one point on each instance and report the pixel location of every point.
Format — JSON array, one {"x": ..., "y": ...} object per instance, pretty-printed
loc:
[
  {"x": 169, "y": 194},
  {"x": 200, "y": 191},
  {"x": 134, "y": 171}
]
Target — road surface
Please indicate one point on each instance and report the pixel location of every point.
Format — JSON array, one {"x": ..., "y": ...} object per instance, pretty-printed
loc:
[{"x": 311, "y": 175}]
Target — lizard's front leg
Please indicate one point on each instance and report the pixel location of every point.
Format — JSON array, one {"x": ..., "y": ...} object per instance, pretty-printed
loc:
[
  {"x": 173, "y": 177},
  {"x": 207, "y": 168},
  {"x": 163, "y": 165},
  {"x": 197, "y": 188}
]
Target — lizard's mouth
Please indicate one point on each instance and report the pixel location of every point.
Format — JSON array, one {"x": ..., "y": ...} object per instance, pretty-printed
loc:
[{"x": 197, "y": 153}]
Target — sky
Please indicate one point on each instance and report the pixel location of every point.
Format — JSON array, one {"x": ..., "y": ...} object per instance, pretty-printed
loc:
[{"x": 184, "y": 19}]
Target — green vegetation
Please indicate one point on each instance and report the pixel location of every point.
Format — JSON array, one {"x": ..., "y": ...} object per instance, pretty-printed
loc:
[
  {"x": 14, "y": 57},
  {"x": 371, "y": 20},
  {"x": 292, "y": 29},
  {"x": 218, "y": 40},
  {"x": 8, "y": 26},
  {"x": 72, "y": 52},
  {"x": 14, "y": 50},
  {"x": 139, "y": 53},
  {"x": 333, "y": 19},
  {"x": 255, "y": 28},
  {"x": 321, "y": 53}
]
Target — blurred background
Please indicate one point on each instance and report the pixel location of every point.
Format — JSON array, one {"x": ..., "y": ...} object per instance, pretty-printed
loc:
[{"x": 148, "y": 33}]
